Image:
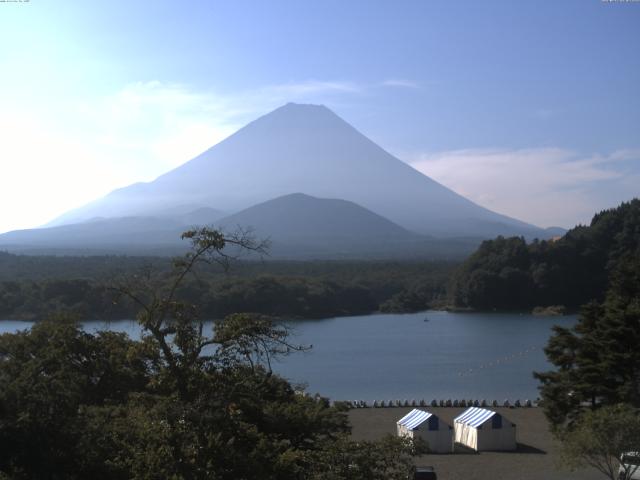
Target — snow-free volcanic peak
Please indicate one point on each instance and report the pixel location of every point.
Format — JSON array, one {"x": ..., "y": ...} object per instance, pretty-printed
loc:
[{"x": 309, "y": 149}]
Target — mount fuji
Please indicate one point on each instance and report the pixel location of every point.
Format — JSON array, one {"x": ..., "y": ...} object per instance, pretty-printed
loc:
[{"x": 296, "y": 148}]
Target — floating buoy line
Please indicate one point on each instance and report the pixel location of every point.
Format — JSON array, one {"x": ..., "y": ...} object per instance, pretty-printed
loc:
[{"x": 497, "y": 362}]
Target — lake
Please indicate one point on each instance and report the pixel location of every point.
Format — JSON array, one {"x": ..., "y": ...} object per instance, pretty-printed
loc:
[{"x": 400, "y": 356}]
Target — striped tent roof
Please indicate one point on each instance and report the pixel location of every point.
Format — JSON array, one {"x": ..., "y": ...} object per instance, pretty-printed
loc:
[
  {"x": 474, "y": 416},
  {"x": 414, "y": 418}
]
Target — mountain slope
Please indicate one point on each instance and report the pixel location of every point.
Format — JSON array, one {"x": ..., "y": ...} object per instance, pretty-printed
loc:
[
  {"x": 302, "y": 217},
  {"x": 309, "y": 149},
  {"x": 300, "y": 226},
  {"x": 122, "y": 234}
]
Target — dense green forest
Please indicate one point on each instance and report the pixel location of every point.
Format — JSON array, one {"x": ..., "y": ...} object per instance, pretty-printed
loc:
[
  {"x": 508, "y": 273},
  {"x": 33, "y": 286},
  {"x": 75, "y": 405}
]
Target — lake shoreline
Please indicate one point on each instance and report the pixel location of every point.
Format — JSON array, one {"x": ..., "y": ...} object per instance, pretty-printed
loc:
[
  {"x": 548, "y": 311},
  {"x": 469, "y": 356}
]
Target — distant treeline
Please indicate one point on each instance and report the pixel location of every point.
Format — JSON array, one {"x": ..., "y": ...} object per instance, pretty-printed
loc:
[
  {"x": 508, "y": 273},
  {"x": 33, "y": 287},
  {"x": 503, "y": 274}
]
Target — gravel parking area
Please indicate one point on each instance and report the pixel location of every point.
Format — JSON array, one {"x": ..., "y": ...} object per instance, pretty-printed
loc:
[{"x": 537, "y": 456}]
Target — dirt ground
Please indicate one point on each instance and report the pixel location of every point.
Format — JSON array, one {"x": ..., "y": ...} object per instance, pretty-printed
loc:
[{"x": 537, "y": 456}]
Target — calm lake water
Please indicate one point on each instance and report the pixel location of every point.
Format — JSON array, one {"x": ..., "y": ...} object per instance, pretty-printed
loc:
[{"x": 385, "y": 357}]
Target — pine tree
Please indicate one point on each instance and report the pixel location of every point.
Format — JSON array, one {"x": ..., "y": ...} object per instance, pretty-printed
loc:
[{"x": 598, "y": 360}]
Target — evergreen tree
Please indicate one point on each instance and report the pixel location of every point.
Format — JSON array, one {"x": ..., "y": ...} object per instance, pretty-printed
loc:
[
  {"x": 598, "y": 360},
  {"x": 508, "y": 273}
]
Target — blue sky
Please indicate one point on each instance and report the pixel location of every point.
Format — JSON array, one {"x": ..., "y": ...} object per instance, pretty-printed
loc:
[{"x": 529, "y": 108}]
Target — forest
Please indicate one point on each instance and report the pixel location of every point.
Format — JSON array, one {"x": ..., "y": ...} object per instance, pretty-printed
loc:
[
  {"x": 509, "y": 274},
  {"x": 503, "y": 274},
  {"x": 32, "y": 287}
]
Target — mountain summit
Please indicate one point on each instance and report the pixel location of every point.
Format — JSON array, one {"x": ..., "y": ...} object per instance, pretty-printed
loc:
[{"x": 308, "y": 149}]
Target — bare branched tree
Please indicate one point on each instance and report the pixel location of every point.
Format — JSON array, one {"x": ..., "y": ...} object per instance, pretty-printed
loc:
[
  {"x": 252, "y": 338},
  {"x": 176, "y": 327}
]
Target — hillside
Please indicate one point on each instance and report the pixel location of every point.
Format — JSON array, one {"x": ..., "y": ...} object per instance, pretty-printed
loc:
[
  {"x": 508, "y": 273},
  {"x": 298, "y": 226},
  {"x": 142, "y": 235},
  {"x": 301, "y": 225},
  {"x": 308, "y": 218},
  {"x": 120, "y": 235}
]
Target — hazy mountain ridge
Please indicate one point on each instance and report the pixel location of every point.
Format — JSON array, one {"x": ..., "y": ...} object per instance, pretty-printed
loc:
[
  {"x": 301, "y": 216},
  {"x": 98, "y": 232},
  {"x": 308, "y": 149},
  {"x": 301, "y": 226},
  {"x": 298, "y": 226},
  {"x": 355, "y": 200}
]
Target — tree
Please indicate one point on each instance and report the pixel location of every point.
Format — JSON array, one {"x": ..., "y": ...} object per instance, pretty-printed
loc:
[
  {"x": 49, "y": 377},
  {"x": 597, "y": 360},
  {"x": 181, "y": 403},
  {"x": 174, "y": 326},
  {"x": 508, "y": 273},
  {"x": 388, "y": 459},
  {"x": 600, "y": 439}
]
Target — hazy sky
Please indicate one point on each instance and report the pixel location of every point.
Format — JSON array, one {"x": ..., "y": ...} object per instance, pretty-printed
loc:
[{"x": 530, "y": 108}]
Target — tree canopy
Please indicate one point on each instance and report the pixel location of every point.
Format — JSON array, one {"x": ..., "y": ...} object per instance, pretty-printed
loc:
[
  {"x": 508, "y": 273},
  {"x": 31, "y": 287},
  {"x": 597, "y": 361},
  {"x": 602, "y": 439},
  {"x": 180, "y": 403}
]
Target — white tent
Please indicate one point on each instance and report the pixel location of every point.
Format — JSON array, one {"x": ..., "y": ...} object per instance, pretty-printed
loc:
[
  {"x": 425, "y": 425},
  {"x": 482, "y": 429}
]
